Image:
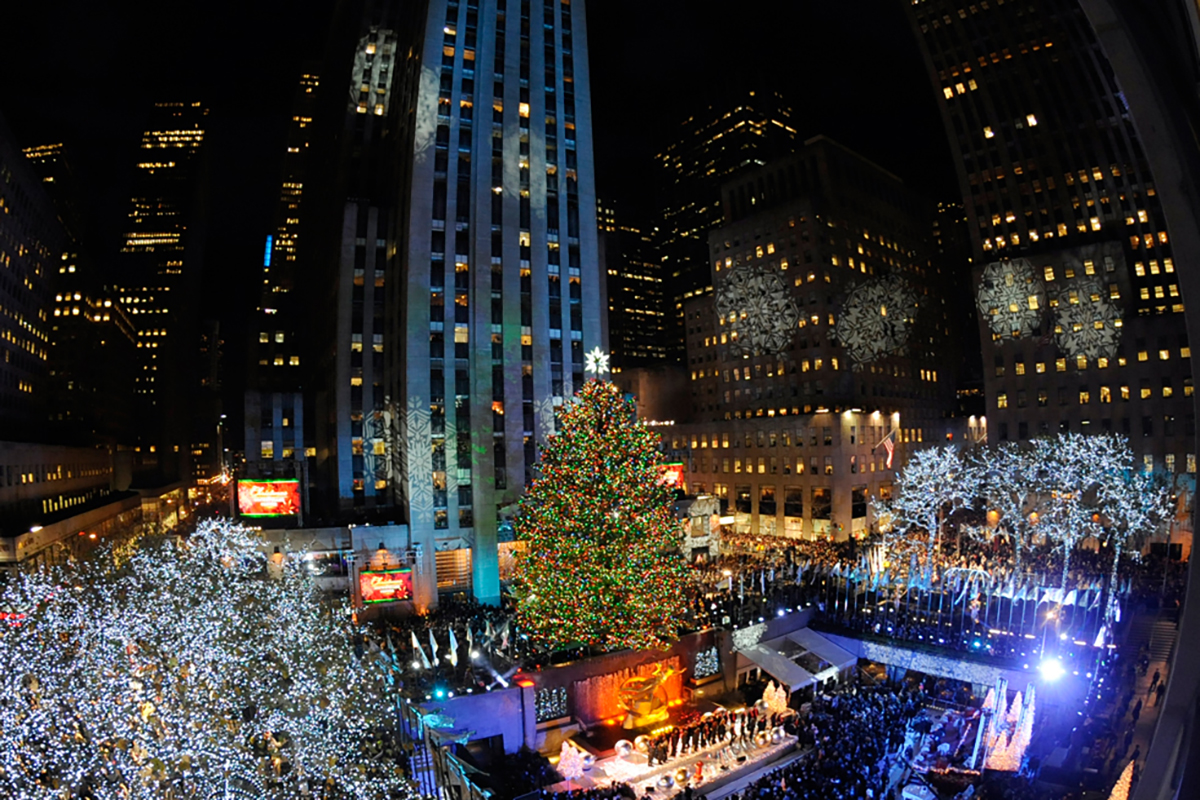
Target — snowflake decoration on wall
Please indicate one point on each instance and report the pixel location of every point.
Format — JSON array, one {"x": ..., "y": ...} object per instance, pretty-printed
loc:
[
  {"x": 708, "y": 662},
  {"x": 876, "y": 320},
  {"x": 746, "y": 638},
  {"x": 760, "y": 312},
  {"x": 1011, "y": 298},
  {"x": 1086, "y": 323}
]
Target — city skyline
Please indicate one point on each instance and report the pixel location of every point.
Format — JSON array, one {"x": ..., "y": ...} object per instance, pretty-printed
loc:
[{"x": 112, "y": 65}]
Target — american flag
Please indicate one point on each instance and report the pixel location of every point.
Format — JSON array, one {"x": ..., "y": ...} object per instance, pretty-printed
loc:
[{"x": 888, "y": 444}]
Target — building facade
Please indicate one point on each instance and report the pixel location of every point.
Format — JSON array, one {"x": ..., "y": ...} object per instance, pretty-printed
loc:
[
  {"x": 277, "y": 442},
  {"x": 634, "y": 287},
  {"x": 93, "y": 343},
  {"x": 1081, "y": 317},
  {"x": 740, "y": 133},
  {"x": 826, "y": 351},
  {"x": 462, "y": 261},
  {"x": 31, "y": 247},
  {"x": 158, "y": 274}
]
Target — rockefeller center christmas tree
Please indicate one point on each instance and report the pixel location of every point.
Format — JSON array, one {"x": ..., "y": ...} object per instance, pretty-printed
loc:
[{"x": 602, "y": 564}]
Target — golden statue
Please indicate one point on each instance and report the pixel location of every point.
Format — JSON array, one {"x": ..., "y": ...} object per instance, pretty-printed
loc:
[{"x": 645, "y": 698}]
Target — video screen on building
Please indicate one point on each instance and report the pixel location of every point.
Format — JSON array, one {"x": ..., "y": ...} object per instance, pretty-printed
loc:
[
  {"x": 269, "y": 498},
  {"x": 673, "y": 475},
  {"x": 386, "y": 585}
]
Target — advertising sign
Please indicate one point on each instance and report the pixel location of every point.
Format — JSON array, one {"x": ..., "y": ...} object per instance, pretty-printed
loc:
[
  {"x": 385, "y": 585},
  {"x": 269, "y": 498}
]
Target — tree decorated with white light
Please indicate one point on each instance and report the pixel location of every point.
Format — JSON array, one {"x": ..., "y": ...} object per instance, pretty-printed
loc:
[
  {"x": 184, "y": 672},
  {"x": 933, "y": 484},
  {"x": 1008, "y": 483},
  {"x": 1072, "y": 472}
]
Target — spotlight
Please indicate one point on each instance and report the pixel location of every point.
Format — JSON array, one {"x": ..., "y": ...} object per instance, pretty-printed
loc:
[{"x": 1051, "y": 669}]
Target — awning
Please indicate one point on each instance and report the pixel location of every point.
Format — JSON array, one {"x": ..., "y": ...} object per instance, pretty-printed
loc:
[{"x": 798, "y": 659}]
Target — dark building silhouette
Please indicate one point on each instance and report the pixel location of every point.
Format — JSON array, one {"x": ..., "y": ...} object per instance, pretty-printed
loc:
[
  {"x": 93, "y": 344},
  {"x": 742, "y": 131},
  {"x": 636, "y": 304},
  {"x": 32, "y": 242},
  {"x": 157, "y": 277}
]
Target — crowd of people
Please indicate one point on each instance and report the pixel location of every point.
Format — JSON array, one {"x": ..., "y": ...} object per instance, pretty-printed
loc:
[
  {"x": 757, "y": 577},
  {"x": 615, "y": 791},
  {"x": 855, "y": 735}
]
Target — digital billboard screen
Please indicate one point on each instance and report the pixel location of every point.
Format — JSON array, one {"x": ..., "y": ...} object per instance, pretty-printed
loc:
[
  {"x": 672, "y": 475},
  {"x": 268, "y": 498},
  {"x": 385, "y": 585}
]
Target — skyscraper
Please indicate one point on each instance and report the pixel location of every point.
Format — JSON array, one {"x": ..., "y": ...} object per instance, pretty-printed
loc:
[
  {"x": 158, "y": 276},
  {"x": 826, "y": 347},
  {"x": 31, "y": 246},
  {"x": 711, "y": 146},
  {"x": 278, "y": 432},
  {"x": 636, "y": 306},
  {"x": 1080, "y": 313},
  {"x": 462, "y": 263},
  {"x": 92, "y": 361}
]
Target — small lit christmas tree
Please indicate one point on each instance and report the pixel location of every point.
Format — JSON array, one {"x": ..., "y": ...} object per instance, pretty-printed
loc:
[
  {"x": 602, "y": 564},
  {"x": 1124, "y": 783}
]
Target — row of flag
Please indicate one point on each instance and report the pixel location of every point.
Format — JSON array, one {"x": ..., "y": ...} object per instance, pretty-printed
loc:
[{"x": 492, "y": 640}]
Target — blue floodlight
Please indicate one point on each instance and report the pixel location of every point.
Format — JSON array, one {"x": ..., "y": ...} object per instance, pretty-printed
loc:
[{"x": 1052, "y": 669}]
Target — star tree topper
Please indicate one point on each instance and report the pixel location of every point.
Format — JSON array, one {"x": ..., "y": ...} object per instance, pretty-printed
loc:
[{"x": 596, "y": 362}]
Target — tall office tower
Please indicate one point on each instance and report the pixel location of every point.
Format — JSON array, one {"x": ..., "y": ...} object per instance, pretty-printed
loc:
[
  {"x": 276, "y": 441},
  {"x": 92, "y": 340},
  {"x": 741, "y": 133},
  {"x": 158, "y": 275},
  {"x": 635, "y": 293},
  {"x": 826, "y": 345},
  {"x": 31, "y": 247},
  {"x": 467, "y": 281},
  {"x": 1080, "y": 314},
  {"x": 208, "y": 426}
]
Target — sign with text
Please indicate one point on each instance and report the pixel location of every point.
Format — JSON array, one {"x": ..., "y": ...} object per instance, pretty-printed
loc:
[
  {"x": 268, "y": 498},
  {"x": 385, "y": 585}
]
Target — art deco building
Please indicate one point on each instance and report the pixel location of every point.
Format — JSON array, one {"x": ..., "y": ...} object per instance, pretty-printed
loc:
[
  {"x": 742, "y": 132},
  {"x": 827, "y": 350},
  {"x": 461, "y": 262},
  {"x": 1080, "y": 311},
  {"x": 158, "y": 275},
  {"x": 636, "y": 307},
  {"x": 32, "y": 242}
]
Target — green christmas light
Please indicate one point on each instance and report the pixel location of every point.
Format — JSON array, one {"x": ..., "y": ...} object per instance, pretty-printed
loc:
[{"x": 602, "y": 564}]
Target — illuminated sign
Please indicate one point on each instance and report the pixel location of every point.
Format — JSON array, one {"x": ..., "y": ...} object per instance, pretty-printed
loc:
[
  {"x": 269, "y": 498},
  {"x": 385, "y": 585},
  {"x": 672, "y": 475},
  {"x": 267, "y": 253}
]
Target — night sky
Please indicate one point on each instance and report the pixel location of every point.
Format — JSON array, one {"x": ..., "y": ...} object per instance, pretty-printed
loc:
[{"x": 85, "y": 72}]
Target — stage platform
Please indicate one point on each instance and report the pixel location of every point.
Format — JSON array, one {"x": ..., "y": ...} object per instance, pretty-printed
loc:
[{"x": 635, "y": 770}]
